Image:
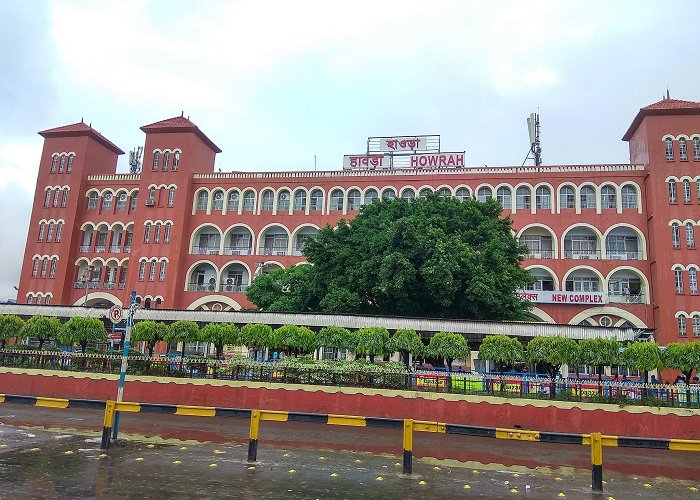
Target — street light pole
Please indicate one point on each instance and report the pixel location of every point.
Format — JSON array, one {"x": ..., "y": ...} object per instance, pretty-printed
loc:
[{"x": 125, "y": 353}]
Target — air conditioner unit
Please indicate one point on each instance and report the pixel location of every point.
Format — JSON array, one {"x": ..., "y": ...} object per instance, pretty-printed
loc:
[
  {"x": 210, "y": 288},
  {"x": 212, "y": 281},
  {"x": 229, "y": 281},
  {"x": 150, "y": 203}
]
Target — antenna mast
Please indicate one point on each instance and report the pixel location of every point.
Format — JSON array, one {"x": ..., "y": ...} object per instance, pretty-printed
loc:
[
  {"x": 533, "y": 129},
  {"x": 135, "y": 160}
]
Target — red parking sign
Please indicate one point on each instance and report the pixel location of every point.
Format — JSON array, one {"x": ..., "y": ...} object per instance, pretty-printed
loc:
[{"x": 116, "y": 314}]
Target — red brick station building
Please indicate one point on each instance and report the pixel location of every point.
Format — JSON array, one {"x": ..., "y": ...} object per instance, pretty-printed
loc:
[{"x": 610, "y": 245}]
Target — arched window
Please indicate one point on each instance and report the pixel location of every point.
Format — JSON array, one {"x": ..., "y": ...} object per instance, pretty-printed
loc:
[
  {"x": 682, "y": 320},
  {"x": 444, "y": 192},
  {"x": 408, "y": 194},
  {"x": 47, "y": 199},
  {"x": 44, "y": 266},
  {"x": 268, "y": 200},
  {"x": 64, "y": 199},
  {"x": 354, "y": 199},
  {"x": 543, "y": 198},
  {"x": 587, "y": 197},
  {"x": 59, "y": 232},
  {"x": 389, "y": 194},
  {"x": 202, "y": 200},
  {"x": 166, "y": 234},
  {"x": 134, "y": 201},
  {"x": 176, "y": 160},
  {"x": 672, "y": 196},
  {"x": 462, "y": 194},
  {"x": 142, "y": 270},
  {"x": 233, "y": 200},
  {"x": 629, "y": 197},
  {"x": 156, "y": 233},
  {"x": 161, "y": 276},
  {"x": 121, "y": 202},
  {"x": 283, "y": 201},
  {"x": 678, "y": 279},
  {"x": 147, "y": 233},
  {"x": 371, "y": 196},
  {"x": 669, "y": 148},
  {"x": 166, "y": 160},
  {"x": 696, "y": 148},
  {"x": 56, "y": 197},
  {"x": 696, "y": 325},
  {"x": 152, "y": 271},
  {"x": 49, "y": 233},
  {"x": 35, "y": 267},
  {"x": 92, "y": 201},
  {"x": 682, "y": 149},
  {"x": 608, "y": 197},
  {"x": 69, "y": 169},
  {"x": 171, "y": 196},
  {"x": 217, "y": 201},
  {"x": 54, "y": 162},
  {"x": 337, "y": 200},
  {"x": 300, "y": 200},
  {"x": 484, "y": 193},
  {"x": 48, "y": 300},
  {"x": 424, "y": 193},
  {"x": 316, "y": 200},
  {"x": 504, "y": 195},
  {"x": 686, "y": 191},
  {"x": 52, "y": 269},
  {"x": 152, "y": 195},
  {"x": 156, "y": 159},
  {"x": 42, "y": 229},
  {"x": 689, "y": 235},
  {"x": 693, "y": 281},
  {"x": 107, "y": 202},
  {"x": 62, "y": 164},
  {"x": 248, "y": 201},
  {"x": 676, "y": 235},
  {"x": 147, "y": 303},
  {"x": 522, "y": 198}
]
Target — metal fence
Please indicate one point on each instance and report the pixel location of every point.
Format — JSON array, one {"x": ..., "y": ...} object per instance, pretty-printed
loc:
[{"x": 370, "y": 376}]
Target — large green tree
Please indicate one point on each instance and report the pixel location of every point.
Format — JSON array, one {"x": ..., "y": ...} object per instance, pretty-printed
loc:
[
  {"x": 429, "y": 257},
  {"x": 449, "y": 346},
  {"x": 83, "y": 331},
  {"x": 335, "y": 338},
  {"x": 221, "y": 334},
  {"x": 257, "y": 336},
  {"x": 405, "y": 342},
  {"x": 599, "y": 353},
  {"x": 10, "y": 328},
  {"x": 645, "y": 356},
  {"x": 683, "y": 356},
  {"x": 151, "y": 333},
  {"x": 183, "y": 331},
  {"x": 504, "y": 351},
  {"x": 42, "y": 328},
  {"x": 295, "y": 339},
  {"x": 552, "y": 352}
]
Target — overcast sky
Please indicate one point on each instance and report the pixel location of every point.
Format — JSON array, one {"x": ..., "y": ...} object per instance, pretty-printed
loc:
[{"x": 275, "y": 83}]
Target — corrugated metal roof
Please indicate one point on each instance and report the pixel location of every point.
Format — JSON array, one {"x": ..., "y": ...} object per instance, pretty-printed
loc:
[{"x": 469, "y": 328}]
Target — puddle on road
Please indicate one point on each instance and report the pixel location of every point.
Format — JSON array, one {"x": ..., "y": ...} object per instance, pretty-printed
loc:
[{"x": 42, "y": 464}]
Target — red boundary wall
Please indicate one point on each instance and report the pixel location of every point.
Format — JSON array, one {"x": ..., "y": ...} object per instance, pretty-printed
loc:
[{"x": 488, "y": 412}]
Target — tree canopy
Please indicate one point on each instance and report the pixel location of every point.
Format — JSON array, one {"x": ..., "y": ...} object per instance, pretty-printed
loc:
[
  {"x": 684, "y": 357},
  {"x": 183, "y": 331},
  {"x": 83, "y": 331},
  {"x": 449, "y": 346},
  {"x": 220, "y": 334},
  {"x": 10, "y": 327},
  {"x": 504, "y": 351},
  {"x": 643, "y": 356},
  {"x": 405, "y": 342},
  {"x": 295, "y": 339},
  {"x": 429, "y": 257},
  {"x": 371, "y": 341},
  {"x": 42, "y": 328},
  {"x": 150, "y": 332},
  {"x": 552, "y": 352}
]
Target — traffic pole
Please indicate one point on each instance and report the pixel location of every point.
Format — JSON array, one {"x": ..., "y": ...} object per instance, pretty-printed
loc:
[{"x": 125, "y": 359}]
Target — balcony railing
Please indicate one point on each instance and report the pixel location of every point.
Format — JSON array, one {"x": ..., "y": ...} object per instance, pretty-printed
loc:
[
  {"x": 297, "y": 252},
  {"x": 540, "y": 254},
  {"x": 108, "y": 285},
  {"x": 127, "y": 249},
  {"x": 236, "y": 250},
  {"x": 100, "y": 248},
  {"x": 115, "y": 249},
  {"x": 582, "y": 254},
  {"x": 617, "y": 255},
  {"x": 233, "y": 288},
  {"x": 84, "y": 248},
  {"x": 80, "y": 285},
  {"x": 630, "y": 298},
  {"x": 200, "y": 287},
  {"x": 205, "y": 250},
  {"x": 121, "y": 286},
  {"x": 273, "y": 251}
]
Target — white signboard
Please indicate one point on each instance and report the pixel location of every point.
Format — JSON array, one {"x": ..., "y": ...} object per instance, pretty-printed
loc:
[
  {"x": 437, "y": 160},
  {"x": 116, "y": 313},
  {"x": 366, "y": 162},
  {"x": 577, "y": 298},
  {"x": 393, "y": 144},
  {"x": 421, "y": 160}
]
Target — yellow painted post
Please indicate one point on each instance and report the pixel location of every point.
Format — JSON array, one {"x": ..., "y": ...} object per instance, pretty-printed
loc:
[
  {"x": 408, "y": 446},
  {"x": 253, "y": 435},
  {"x": 597, "y": 461},
  {"x": 108, "y": 423}
]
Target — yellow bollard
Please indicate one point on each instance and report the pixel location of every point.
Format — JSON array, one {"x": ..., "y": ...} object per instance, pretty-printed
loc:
[
  {"x": 253, "y": 435},
  {"x": 597, "y": 461},
  {"x": 108, "y": 423},
  {"x": 407, "y": 446}
]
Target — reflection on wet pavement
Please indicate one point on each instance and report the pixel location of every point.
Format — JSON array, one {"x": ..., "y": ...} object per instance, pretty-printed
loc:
[{"x": 42, "y": 464}]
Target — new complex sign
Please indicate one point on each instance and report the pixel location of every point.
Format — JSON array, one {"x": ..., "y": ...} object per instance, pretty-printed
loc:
[{"x": 547, "y": 297}]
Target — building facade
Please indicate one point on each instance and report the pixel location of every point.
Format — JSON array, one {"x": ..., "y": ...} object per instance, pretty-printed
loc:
[{"x": 610, "y": 245}]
